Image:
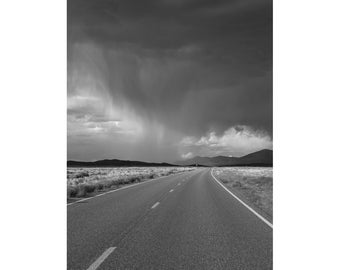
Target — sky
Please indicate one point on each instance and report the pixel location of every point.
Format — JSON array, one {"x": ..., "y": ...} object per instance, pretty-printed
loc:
[{"x": 166, "y": 80}]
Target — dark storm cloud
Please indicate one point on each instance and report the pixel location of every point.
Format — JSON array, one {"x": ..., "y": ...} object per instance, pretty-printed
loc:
[{"x": 193, "y": 66}]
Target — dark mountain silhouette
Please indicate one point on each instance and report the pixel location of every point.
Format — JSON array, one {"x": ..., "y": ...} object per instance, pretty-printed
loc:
[
  {"x": 261, "y": 158},
  {"x": 264, "y": 156},
  {"x": 115, "y": 163}
]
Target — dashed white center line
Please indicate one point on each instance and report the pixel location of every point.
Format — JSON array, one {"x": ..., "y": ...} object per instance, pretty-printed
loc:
[
  {"x": 171, "y": 190},
  {"x": 102, "y": 258},
  {"x": 178, "y": 184},
  {"x": 155, "y": 205}
]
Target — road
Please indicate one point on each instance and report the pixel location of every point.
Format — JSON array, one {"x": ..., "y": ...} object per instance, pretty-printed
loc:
[{"x": 183, "y": 221}]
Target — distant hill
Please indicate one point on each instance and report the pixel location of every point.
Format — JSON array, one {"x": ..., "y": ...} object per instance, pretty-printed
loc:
[
  {"x": 116, "y": 163},
  {"x": 260, "y": 158}
]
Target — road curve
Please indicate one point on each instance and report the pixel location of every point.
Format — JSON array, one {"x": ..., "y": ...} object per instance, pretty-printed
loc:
[{"x": 185, "y": 221}]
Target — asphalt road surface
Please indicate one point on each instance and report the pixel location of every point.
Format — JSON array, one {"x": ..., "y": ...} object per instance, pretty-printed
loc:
[{"x": 183, "y": 221}]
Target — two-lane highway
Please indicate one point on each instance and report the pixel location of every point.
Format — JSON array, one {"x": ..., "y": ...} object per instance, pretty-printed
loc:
[{"x": 184, "y": 221}]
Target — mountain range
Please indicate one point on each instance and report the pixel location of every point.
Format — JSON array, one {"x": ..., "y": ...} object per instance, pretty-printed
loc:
[
  {"x": 260, "y": 158},
  {"x": 116, "y": 163}
]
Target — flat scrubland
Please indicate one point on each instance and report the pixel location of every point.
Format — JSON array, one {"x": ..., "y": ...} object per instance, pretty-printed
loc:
[
  {"x": 84, "y": 182},
  {"x": 254, "y": 185}
]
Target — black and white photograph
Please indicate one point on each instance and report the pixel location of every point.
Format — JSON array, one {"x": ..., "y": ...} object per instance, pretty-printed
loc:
[{"x": 169, "y": 134}]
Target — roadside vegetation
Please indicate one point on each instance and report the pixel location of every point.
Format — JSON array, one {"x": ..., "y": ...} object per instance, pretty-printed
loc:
[
  {"x": 254, "y": 185},
  {"x": 84, "y": 182}
]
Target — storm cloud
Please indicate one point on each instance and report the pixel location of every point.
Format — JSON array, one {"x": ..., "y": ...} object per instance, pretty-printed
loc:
[{"x": 143, "y": 76}]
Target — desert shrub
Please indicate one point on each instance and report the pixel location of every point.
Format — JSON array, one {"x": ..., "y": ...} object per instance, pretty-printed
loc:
[
  {"x": 225, "y": 180},
  {"x": 89, "y": 188},
  {"x": 84, "y": 189},
  {"x": 130, "y": 180},
  {"x": 83, "y": 181},
  {"x": 236, "y": 184},
  {"x": 107, "y": 184},
  {"x": 82, "y": 174},
  {"x": 80, "y": 181},
  {"x": 100, "y": 186},
  {"x": 72, "y": 191},
  {"x": 133, "y": 179},
  {"x": 81, "y": 191},
  {"x": 111, "y": 183},
  {"x": 263, "y": 181},
  {"x": 120, "y": 181}
]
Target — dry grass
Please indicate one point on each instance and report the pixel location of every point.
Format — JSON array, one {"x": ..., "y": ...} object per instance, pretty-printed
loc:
[
  {"x": 83, "y": 182},
  {"x": 253, "y": 184}
]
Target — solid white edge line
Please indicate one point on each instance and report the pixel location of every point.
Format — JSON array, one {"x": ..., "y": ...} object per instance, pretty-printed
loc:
[
  {"x": 102, "y": 258},
  {"x": 155, "y": 205},
  {"x": 244, "y": 204},
  {"x": 129, "y": 186}
]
